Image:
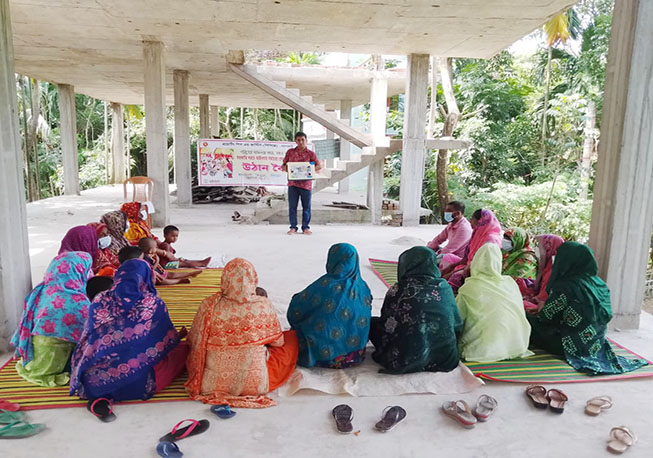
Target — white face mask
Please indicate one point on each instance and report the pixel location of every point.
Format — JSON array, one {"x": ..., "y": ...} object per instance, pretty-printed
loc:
[
  {"x": 537, "y": 252},
  {"x": 506, "y": 245},
  {"x": 448, "y": 217},
  {"x": 143, "y": 214},
  {"x": 104, "y": 242}
]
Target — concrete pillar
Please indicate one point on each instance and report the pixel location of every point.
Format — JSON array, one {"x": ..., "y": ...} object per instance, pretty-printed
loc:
[
  {"x": 182, "y": 139},
  {"x": 414, "y": 149},
  {"x": 15, "y": 275},
  {"x": 378, "y": 108},
  {"x": 330, "y": 163},
  {"x": 156, "y": 129},
  {"x": 622, "y": 211},
  {"x": 68, "y": 133},
  {"x": 118, "y": 161},
  {"x": 345, "y": 146},
  {"x": 204, "y": 116},
  {"x": 215, "y": 123}
]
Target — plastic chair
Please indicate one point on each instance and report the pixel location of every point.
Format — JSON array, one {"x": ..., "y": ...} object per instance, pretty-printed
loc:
[{"x": 142, "y": 189}]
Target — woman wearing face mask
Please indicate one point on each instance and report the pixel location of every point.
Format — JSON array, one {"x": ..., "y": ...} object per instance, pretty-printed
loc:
[
  {"x": 535, "y": 292},
  {"x": 457, "y": 233},
  {"x": 106, "y": 262},
  {"x": 138, "y": 228},
  {"x": 519, "y": 260}
]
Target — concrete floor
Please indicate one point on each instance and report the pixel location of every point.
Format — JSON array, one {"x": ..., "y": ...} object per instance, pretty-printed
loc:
[{"x": 301, "y": 426}]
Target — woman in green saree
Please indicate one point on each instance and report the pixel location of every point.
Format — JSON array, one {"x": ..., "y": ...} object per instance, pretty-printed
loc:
[
  {"x": 419, "y": 323},
  {"x": 574, "y": 320},
  {"x": 519, "y": 259}
]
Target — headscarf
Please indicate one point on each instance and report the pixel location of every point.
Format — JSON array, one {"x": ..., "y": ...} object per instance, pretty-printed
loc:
[
  {"x": 56, "y": 307},
  {"x": 332, "y": 315},
  {"x": 106, "y": 259},
  {"x": 419, "y": 319},
  {"x": 491, "y": 306},
  {"x": 521, "y": 261},
  {"x": 548, "y": 245},
  {"x": 487, "y": 230},
  {"x": 132, "y": 211},
  {"x": 116, "y": 222},
  {"x": 233, "y": 318},
  {"x": 575, "y": 273},
  {"x": 80, "y": 238},
  {"x": 128, "y": 331},
  {"x": 138, "y": 228}
]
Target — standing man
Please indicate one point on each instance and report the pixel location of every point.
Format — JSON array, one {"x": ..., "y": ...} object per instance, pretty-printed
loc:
[
  {"x": 300, "y": 189},
  {"x": 458, "y": 233}
]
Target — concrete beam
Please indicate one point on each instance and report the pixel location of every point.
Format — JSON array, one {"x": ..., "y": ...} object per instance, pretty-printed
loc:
[
  {"x": 215, "y": 121},
  {"x": 622, "y": 210},
  {"x": 447, "y": 143},
  {"x": 378, "y": 109},
  {"x": 182, "y": 139},
  {"x": 345, "y": 146},
  {"x": 414, "y": 151},
  {"x": 156, "y": 129},
  {"x": 118, "y": 160},
  {"x": 68, "y": 133},
  {"x": 15, "y": 274},
  {"x": 205, "y": 131}
]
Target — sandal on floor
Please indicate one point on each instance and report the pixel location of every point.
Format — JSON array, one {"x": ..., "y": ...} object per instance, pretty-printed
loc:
[
  {"x": 598, "y": 404},
  {"x": 485, "y": 407},
  {"x": 557, "y": 400},
  {"x": 168, "y": 450},
  {"x": 177, "y": 433},
  {"x": 101, "y": 408},
  {"x": 10, "y": 406},
  {"x": 460, "y": 411},
  {"x": 20, "y": 429},
  {"x": 390, "y": 418},
  {"x": 537, "y": 394},
  {"x": 621, "y": 439},
  {"x": 7, "y": 416},
  {"x": 343, "y": 415},
  {"x": 223, "y": 411}
]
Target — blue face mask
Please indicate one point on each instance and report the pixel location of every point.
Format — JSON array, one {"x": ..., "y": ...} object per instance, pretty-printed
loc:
[{"x": 448, "y": 217}]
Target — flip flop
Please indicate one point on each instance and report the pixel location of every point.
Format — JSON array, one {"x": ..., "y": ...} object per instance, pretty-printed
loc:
[
  {"x": 537, "y": 395},
  {"x": 598, "y": 404},
  {"x": 101, "y": 408},
  {"x": 460, "y": 411},
  {"x": 20, "y": 429},
  {"x": 168, "y": 450},
  {"x": 391, "y": 417},
  {"x": 557, "y": 400},
  {"x": 7, "y": 416},
  {"x": 10, "y": 406},
  {"x": 485, "y": 407},
  {"x": 622, "y": 439},
  {"x": 343, "y": 414},
  {"x": 177, "y": 433},
  {"x": 223, "y": 411}
]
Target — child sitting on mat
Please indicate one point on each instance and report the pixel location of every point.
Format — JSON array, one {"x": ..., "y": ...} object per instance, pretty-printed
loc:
[
  {"x": 129, "y": 252},
  {"x": 167, "y": 254},
  {"x": 162, "y": 276}
]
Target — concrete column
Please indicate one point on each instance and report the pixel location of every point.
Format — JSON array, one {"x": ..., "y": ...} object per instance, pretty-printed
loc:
[
  {"x": 345, "y": 146},
  {"x": 622, "y": 211},
  {"x": 215, "y": 124},
  {"x": 156, "y": 129},
  {"x": 182, "y": 139},
  {"x": 119, "y": 167},
  {"x": 68, "y": 133},
  {"x": 330, "y": 163},
  {"x": 15, "y": 275},
  {"x": 378, "y": 108},
  {"x": 204, "y": 116},
  {"x": 414, "y": 149}
]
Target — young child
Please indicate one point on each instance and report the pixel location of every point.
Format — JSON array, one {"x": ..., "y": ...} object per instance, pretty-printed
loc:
[
  {"x": 162, "y": 277},
  {"x": 167, "y": 253},
  {"x": 96, "y": 285},
  {"x": 129, "y": 252}
]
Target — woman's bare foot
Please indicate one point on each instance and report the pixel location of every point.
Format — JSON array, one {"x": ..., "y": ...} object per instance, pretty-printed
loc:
[{"x": 205, "y": 262}]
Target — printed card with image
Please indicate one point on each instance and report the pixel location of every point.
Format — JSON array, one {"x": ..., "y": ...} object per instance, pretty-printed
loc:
[{"x": 298, "y": 171}]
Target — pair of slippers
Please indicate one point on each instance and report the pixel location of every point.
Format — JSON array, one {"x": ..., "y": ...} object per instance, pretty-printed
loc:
[
  {"x": 13, "y": 425},
  {"x": 541, "y": 398},
  {"x": 461, "y": 412},
  {"x": 391, "y": 417}
]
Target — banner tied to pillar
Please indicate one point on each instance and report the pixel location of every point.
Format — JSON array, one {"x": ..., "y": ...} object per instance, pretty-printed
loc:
[{"x": 241, "y": 162}]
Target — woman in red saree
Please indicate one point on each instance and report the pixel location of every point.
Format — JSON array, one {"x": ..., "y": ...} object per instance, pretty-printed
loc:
[
  {"x": 106, "y": 263},
  {"x": 534, "y": 293},
  {"x": 238, "y": 351},
  {"x": 138, "y": 228}
]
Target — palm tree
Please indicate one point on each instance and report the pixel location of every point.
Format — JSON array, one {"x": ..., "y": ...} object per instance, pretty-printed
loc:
[{"x": 302, "y": 58}]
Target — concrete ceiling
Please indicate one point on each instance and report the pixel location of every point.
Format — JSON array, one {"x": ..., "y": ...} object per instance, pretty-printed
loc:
[{"x": 96, "y": 45}]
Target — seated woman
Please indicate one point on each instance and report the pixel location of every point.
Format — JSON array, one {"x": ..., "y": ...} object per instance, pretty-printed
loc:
[
  {"x": 106, "y": 263},
  {"x": 491, "y": 307},
  {"x": 238, "y": 352},
  {"x": 129, "y": 348},
  {"x": 81, "y": 239},
  {"x": 485, "y": 229},
  {"x": 138, "y": 228},
  {"x": 116, "y": 222},
  {"x": 574, "y": 320},
  {"x": 332, "y": 315},
  {"x": 534, "y": 292},
  {"x": 52, "y": 321},
  {"x": 519, "y": 260},
  {"x": 419, "y": 325}
]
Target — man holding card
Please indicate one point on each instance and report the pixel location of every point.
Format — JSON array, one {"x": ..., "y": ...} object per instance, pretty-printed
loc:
[{"x": 300, "y": 187}]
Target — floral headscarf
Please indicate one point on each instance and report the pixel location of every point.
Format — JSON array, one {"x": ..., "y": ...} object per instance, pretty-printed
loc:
[
  {"x": 116, "y": 222},
  {"x": 80, "y": 238}
]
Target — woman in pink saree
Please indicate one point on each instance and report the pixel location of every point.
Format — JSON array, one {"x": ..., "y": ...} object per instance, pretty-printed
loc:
[{"x": 486, "y": 229}]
